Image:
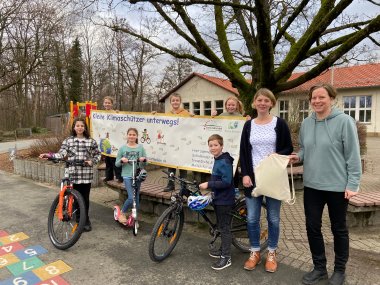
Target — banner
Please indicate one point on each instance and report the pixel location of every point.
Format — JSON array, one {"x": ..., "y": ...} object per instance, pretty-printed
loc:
[{"x": 169, "y": 140}]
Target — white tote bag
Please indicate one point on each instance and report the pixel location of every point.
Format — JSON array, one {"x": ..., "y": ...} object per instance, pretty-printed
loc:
[{"x": 271, "y": 177}]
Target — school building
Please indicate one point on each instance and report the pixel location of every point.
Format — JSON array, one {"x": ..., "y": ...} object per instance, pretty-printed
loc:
[{"x": 358, "y": 94}]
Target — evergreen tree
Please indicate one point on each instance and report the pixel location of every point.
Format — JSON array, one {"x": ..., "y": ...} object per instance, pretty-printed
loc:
[{"x": 75, "y": 72}]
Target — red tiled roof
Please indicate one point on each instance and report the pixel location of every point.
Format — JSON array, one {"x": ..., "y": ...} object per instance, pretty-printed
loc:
[
  {"x": 366, "y": 75},
  {"x": 224, "y": 83}
]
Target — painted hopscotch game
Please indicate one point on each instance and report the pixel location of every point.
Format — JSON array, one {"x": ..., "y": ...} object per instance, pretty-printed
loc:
[{"x": 25, "y": 266}]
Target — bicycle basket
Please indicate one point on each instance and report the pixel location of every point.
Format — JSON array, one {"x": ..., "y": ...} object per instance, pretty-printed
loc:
[{"x": 197, "y": 203}]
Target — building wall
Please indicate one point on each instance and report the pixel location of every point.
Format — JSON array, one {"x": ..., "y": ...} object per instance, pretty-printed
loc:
[{"x": 200, "y": 90}]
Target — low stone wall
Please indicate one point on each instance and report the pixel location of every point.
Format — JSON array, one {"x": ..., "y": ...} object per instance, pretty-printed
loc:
[{"x": 44, "y": 171}]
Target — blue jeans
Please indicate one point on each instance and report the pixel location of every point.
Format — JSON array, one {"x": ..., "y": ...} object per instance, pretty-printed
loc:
[
  {"x": 253, "y": 221},
  {"x": 129, "y": 202}
]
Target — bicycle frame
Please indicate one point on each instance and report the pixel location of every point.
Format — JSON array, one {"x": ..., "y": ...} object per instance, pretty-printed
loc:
[{"x": 184, "y": 191}]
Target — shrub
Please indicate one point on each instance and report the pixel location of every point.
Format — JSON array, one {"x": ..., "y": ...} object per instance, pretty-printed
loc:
[
  {"x": 362, "y": 134},
  {"x": 45, "y": 145},
  {"x": 39, "y": 130}
]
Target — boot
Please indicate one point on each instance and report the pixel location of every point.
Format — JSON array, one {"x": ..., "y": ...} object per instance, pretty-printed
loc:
[{"x": 253, "y": 260}]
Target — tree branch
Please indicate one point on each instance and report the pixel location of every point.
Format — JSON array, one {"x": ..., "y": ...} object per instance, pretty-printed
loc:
[
  {"x": 330, "y": 59},
  {"x": 197, "y": 2},
  {"x": 293, "y": 16}
]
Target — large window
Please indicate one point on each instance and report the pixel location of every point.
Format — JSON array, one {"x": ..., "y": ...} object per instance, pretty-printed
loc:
[
  {"x": 186, "y": 106},
  {"x": 358, "y": 107},
  {"x": 196, "y": 108},
  {"x": 303, "y": 106},
  {"x": 207, "y": 108},
  {"x": 219, "y": 106},
  {"x": 283, "y": 109}
]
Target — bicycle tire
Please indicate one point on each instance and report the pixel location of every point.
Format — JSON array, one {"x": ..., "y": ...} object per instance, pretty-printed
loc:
[
  {"x": 166, "y": 233},
  {"x": 65, "y": 233},
  {"x": 239, "y": 231}
]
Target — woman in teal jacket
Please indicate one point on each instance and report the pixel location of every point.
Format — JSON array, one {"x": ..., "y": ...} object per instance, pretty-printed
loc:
[{"x": 329, "y": 150}]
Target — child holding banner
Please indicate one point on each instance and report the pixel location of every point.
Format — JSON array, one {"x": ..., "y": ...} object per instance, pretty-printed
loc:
[
  {"x": 111, "y": 168},
  {"x": 222, "y": 186},
  {"x": 175, "y": 101},
  {"x": 233, "y": 106},
  {"x": 131, "y": 151}
]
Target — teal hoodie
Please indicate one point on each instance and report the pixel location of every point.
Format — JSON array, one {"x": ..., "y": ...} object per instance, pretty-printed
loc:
[{"x": 329, "y": 149}]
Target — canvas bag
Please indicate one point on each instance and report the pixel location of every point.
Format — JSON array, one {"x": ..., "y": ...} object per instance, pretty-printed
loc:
[{"x": 271, "y": 177}]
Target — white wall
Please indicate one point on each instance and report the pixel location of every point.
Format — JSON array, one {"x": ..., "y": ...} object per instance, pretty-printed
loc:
[{"x": 199, "y": 90}]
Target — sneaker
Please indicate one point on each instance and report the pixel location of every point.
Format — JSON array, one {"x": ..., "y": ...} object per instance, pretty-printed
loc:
[
  {"x": 337, "y": 278},
  {"x": 223, "y": 262},
  {"x": 314, "y": 276},
  {"x": 122, "y": 218},
  {"x": 253, "y": 260},
  {"x": 215, "y": 253},
  {"x": 271, "y": 263}
]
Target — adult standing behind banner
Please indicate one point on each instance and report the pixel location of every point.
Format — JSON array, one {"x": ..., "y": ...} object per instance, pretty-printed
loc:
[
  {"x": 110, "y": 161},
  {"x": 175, "y": 102},
  {"x": 329, "y": 150},
  {"x": 262, "y": 136}
]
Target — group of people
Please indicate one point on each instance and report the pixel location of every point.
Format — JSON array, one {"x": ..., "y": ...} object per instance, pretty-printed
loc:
[{"x": 329, "y": 151}]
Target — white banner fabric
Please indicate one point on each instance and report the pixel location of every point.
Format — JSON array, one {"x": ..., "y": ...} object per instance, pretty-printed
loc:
[{"x": 169, "y": 140}]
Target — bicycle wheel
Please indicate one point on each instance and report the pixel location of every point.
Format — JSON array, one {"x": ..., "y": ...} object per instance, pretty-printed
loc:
[
  {"x": 239, "y": 231},
  {"x": 166, "y": 233},
  {"x": 65, "y": 232}
]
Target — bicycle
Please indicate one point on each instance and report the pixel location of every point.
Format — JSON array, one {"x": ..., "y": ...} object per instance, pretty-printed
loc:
[
  {"x": 168, "y": 227},
  {"x": 67, "y": 215},
  {"x": 139, "y": 175},
  {"x": 145, "y": 138}
]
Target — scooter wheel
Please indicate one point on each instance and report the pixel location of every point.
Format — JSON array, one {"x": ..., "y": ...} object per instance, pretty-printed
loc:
[
  {"x": 135, "y": 227},
  {"x": 116, "y": 212}
]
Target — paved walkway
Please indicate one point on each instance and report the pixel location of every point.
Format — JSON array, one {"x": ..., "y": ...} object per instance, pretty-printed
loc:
[{"x": 364, "y": 264}]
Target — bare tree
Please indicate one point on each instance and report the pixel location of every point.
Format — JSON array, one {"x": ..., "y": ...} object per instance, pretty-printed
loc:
[{"x": 264, "y": 39}]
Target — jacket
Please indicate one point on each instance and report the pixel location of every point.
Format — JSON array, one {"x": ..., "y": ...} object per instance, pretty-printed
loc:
[
  {"x": 221, "y": 180},
  {"x": 329, "y": 149},
  {"x": 283, "y": 146}
]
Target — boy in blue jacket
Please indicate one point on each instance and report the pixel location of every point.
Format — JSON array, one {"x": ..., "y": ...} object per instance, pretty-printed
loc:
[{"x": 223, "y": 190}]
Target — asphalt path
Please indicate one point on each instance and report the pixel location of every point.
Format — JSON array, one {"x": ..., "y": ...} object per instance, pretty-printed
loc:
[
  {"x": 23, "y": 144},
  {"x": 110, "y": 254}
]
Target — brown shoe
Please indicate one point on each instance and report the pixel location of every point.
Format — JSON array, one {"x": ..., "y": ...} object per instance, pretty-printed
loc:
[
  {"x": 253, "y": 260},
  {"x": 271, "y": 263}
]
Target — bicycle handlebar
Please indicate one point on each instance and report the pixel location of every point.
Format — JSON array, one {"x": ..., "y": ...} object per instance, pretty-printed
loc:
[
  {"x": 171, "y": 175},
  {"x": 76, "y": 162}
]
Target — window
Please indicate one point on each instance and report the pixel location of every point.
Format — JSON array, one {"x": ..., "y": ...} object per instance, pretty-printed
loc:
[
  {"x": 284, "y": 109},
  {"x": 186, "y": 106},
  {"x": 196, "y": 108},
  {"x": 219, "y": 106},
  {"x": 207, "y": 108},
  {"x": 358, "y": 107},
  {"x": 303, "y": 106}
]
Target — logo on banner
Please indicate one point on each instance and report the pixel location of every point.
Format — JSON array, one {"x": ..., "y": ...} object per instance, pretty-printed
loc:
[{"x": 212, "y": 125}]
